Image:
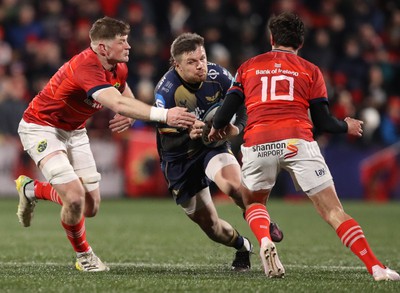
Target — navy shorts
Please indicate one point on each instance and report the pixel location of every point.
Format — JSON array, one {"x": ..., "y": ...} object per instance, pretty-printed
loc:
[{"x": 187, "y": 177}]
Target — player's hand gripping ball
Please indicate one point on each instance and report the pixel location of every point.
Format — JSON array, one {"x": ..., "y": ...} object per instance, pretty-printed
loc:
[{"x": 208, "y": 121}]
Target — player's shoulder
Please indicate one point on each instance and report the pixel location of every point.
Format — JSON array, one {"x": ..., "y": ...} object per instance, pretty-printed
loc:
[
  {"x": 169, "y": 80},
  {"x": 86, "y": 58},
  {"x": 307, "y": 64},
  {"x": 249, "y": 63},
  {"x": 86, "y": 55}
]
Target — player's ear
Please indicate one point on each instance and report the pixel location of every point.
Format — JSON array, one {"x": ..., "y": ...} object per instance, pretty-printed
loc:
[
  {"x": 271, "y": 39},
  {"x": 102, "y": 49},
  {"x": 176, "y": 65}
]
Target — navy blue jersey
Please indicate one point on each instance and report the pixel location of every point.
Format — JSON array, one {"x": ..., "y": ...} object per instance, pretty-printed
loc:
[
  {"x": 174, "y": 143},
  {"x": 183, "y": 161}
]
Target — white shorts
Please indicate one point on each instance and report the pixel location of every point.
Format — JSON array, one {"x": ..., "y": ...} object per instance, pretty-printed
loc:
[
  {"x": 39, "y": 141},
  {"x": 302, "y": 159}
]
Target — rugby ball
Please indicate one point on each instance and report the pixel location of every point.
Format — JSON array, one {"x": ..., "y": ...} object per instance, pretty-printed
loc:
[{"x": 208, "y": 120}]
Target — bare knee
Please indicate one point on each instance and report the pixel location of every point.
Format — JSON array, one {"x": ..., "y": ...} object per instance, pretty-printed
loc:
[
  {"x": 235, "y": 193},
  {"x": 232, "y": 187},
  {"x": 75, "y": 204},
  {"x": 72, "y": 210},
  {"x": 231, "y": 190}
]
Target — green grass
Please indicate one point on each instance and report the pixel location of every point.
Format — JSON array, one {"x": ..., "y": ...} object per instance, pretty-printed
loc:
[{"x": 151, "y": 246}]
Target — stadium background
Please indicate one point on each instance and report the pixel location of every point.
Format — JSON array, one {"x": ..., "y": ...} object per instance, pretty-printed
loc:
[{"x": 355, "y": 43}]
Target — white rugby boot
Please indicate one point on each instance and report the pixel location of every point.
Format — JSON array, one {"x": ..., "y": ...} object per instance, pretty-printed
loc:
[
  {"x": 25, "y": 205},
  {"x": 89, "y": 262},
  {"x": 384, "y": 274},
  {"x": 269, "y": 257}
]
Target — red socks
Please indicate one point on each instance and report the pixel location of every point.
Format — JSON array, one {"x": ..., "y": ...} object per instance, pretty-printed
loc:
[
  {"x": 44, "y": 190},
  {"x": 349, "y": 232},
  {"x": 77, "y": 236},
  {"x": 76, "y": 233},
  {"x": 352, "y": 236},
  {"x": 258, "y": 219}
]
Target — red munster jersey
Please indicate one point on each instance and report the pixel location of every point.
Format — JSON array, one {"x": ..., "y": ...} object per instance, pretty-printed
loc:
[
  {"x": 278, "y": 87},
  {"x": 66, "y": 101}
]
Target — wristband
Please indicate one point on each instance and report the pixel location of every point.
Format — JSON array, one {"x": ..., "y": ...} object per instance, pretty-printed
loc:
[{"x": 158, "y": 114}]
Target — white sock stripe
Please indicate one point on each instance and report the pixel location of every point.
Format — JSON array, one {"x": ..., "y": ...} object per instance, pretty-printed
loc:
[
  {"x": 257, "y": 217},
  {"x": 351, "y": 236},
  {"x": 76, "y": 234},
  {"x": 347, "y": 232},
  {"x": 69, "y": 234},
  {"x": 257, "y": 212},
  {"x": 81, "y": 231},
  {"x": 355, "y": 239},
  {"x": 53, "y": 195}
]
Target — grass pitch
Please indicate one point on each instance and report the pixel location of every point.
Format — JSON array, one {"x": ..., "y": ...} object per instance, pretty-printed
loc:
[{"x": 151, "y": 246}]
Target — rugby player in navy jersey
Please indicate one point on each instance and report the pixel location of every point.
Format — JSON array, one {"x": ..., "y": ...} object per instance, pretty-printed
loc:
[{"x": 188, "y": 163}]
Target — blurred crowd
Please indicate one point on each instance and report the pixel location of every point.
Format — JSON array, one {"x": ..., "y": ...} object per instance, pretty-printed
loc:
[{"x": 355, "y": 43}]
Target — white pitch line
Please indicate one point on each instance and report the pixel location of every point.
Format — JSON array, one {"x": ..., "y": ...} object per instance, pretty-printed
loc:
[{"x": 163, "y": 265}]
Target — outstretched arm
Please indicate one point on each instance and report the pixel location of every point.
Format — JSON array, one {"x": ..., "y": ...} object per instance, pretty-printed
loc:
[
  {"x": 121, "y": 123},
  {"x": 135, "y": 109}
]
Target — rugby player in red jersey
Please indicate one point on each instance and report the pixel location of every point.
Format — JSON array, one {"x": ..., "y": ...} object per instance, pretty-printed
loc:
[
  {"x": 52, "y": 131},
  {"x": 278, "y": 88}
]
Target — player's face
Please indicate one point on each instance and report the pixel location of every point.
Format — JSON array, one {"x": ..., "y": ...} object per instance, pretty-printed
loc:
[
  {"x": 117, "y": 50},
  {"x": 192, "y": 66}
]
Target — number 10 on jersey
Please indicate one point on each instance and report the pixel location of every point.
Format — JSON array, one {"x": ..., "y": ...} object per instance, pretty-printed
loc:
[{"x": 278, "y": 83}]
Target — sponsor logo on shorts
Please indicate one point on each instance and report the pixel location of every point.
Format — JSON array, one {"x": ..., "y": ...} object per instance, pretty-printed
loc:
[
  {"x": 42, "y": 145},
  {"x": 320, "y": 172},
  {"x": 292, "y": 151},
  {"x": 269, "y": 149},
  {"x": 277, "y": 149}
]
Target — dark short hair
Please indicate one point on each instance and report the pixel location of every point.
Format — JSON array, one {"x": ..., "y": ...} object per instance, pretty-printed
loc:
[
  {"x": 186, "y": 42},
  {"x": 287, "y": 30},
  {"x": 108, "y": 28}
]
